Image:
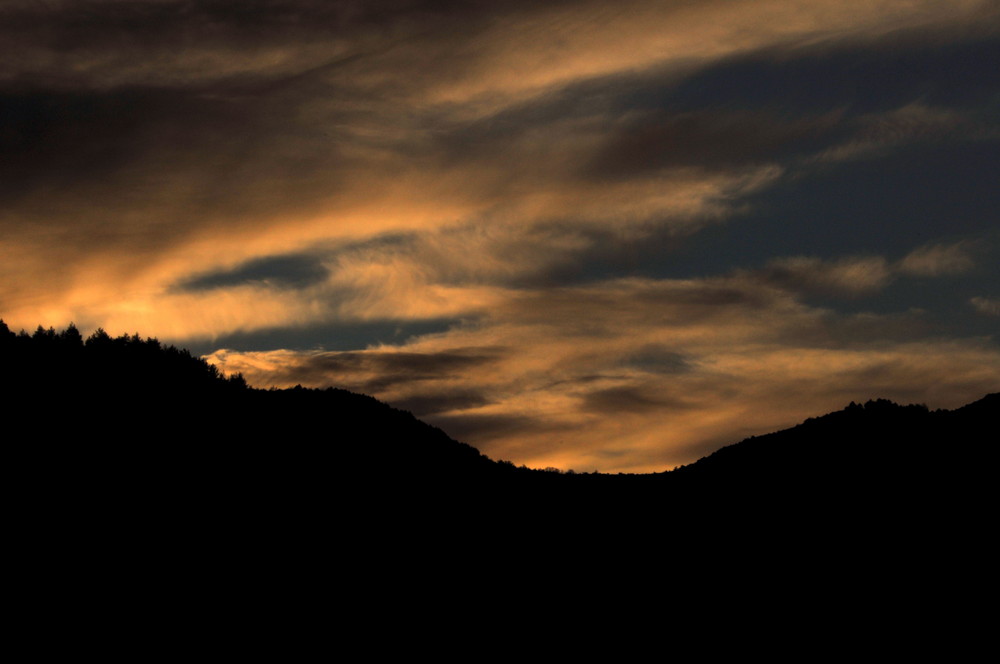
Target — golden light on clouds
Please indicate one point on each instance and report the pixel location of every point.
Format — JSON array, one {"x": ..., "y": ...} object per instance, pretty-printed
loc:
[
  {"x": 602, "y": 368},
  {"x": 576, "y": 234}
]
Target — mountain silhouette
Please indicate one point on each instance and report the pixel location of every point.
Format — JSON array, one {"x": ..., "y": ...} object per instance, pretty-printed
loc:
[
  {"x": 108, "y": 416},
  {"x": 139, "y": 476},
  {"x": 877, "y": 440}
]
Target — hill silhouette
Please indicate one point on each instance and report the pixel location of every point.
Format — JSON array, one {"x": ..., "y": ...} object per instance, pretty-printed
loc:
[
  {"x": 132, "y": 415},
  {"x": 878, "y": 440},
  {"x": 160, "y": 406},
  {"x": 139, "y": 476}
]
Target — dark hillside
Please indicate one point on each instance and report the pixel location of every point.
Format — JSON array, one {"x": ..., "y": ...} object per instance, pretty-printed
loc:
[
  {"x": 136, "y": 474},
  {"x": 135, "y": 399},
  {"x": 878, "y": 467},
  {"x": 132, "y": 415},
  {"x": 878, "y": 440}
]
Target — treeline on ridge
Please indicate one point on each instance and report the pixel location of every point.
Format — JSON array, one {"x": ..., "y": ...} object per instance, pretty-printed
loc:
[
  {"x": 109, "y": 394},
  {"x": 132, "y": 393}
]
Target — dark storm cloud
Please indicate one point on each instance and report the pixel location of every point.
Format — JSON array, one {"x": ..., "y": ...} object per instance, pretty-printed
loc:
[
  {"x": 753, "y": 107},
  {"x": 231, "y": 138},
  {"x": 60, "y": 139},
  {"x": 657, "y": 359},
  {"x": 420, "y": 366},
  {"x": 236, "y": 145},
  {"x": 115, "y": 142},
  {"x": 439, "y": 402},
  {"x": 290, "y": 271},
  {"x": 707, "y": 139},
  {"x": 76, "y": 160},
  {"x": 373, "y": 372},
  {"x": 142, "y": 25},
  {"x": 631, "y": 399},
  {"x": 114, "y": 42},
  {"x": 80, "y": 139},
  {"x": 490, "y": 426},
  {"x": 517, "y": 217},
  {"x": 765, "y": 86},
  {"x": 691, "y": 298},
  {"x": 853, "y": 276},
  {"x": 330, "y": 336}
]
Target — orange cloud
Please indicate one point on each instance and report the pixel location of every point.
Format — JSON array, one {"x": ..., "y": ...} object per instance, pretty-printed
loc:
[
  {"x": 637, "y": 375},
  {"x": 519, "y": 169}
]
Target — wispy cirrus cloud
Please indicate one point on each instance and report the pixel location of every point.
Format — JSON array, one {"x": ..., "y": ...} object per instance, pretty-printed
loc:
[
  {"x": 849, "y": 276},
  {"x": 586, "y": 235},
  {"x": 940, "y": 259},
  {"x": 989, "y": 306},
  {"x": 661, "y": 370}
]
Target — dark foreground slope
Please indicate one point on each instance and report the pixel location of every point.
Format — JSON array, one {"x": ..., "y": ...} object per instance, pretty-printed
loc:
[
  {"x": 130, "y": 417},
  {"x": 878, "y": 443},
  {"x": 152, "y": 503},
  {"x": 876, "y": 465},
  {"x": 130, "y": 407}
]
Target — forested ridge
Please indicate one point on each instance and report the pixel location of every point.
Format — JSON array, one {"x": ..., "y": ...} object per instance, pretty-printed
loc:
[
  {"x": 138, "y": 474},
  {"x": 130, "y": 407},
  {"x": 130, "y": 392}
]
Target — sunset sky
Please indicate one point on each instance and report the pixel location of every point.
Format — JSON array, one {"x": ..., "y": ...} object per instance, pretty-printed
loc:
[{"x": 589, "y": 235}]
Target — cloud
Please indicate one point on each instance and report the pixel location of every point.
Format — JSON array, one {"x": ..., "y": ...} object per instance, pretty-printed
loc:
[
  {"x": 293, "y": 271},
  {"x": 989, "y": 306},
  {"x": 430, "y": 403},
  {"x": 660, "y": 370},
  {"x": 657, "y": 359},
  {"x": 856, "y": 276},
  {"x": 707, "y": 139},
  {"x": 616, "y": 400},
  {"x": 852, "y": 276},
  {"x": 914, "y": 123},
  {"x": 935, "y": 260},
  {"x": 517, "y": 218},
  {"x": 369, "y": 372},
  {"x": 151, "y": 144}
]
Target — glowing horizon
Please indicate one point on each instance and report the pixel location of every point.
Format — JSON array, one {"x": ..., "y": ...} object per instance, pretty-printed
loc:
[{"x": 569, "y": 234}]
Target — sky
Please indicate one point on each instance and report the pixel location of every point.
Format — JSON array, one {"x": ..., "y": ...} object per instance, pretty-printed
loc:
[{"x": 604, "y": 236}]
